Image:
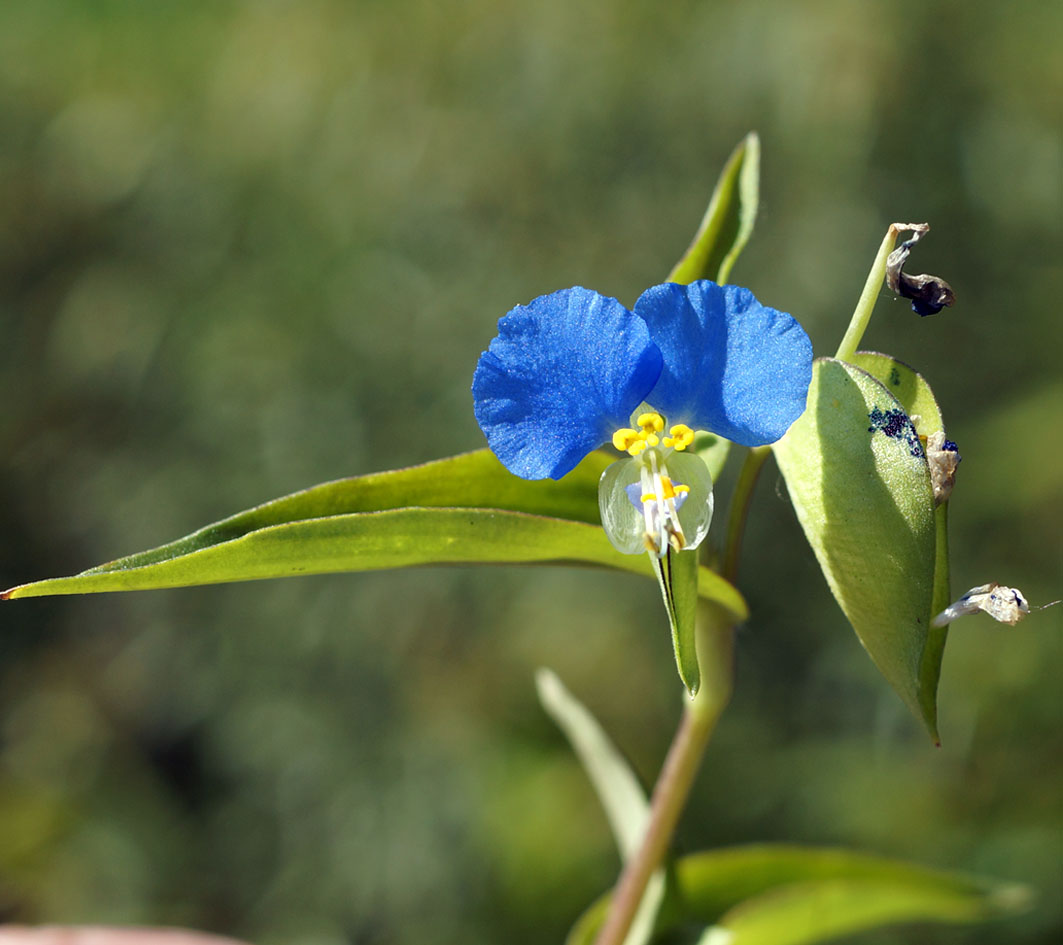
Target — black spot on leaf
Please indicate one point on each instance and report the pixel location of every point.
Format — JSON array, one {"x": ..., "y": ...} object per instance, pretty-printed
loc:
[{"x": 895, "y": 424}]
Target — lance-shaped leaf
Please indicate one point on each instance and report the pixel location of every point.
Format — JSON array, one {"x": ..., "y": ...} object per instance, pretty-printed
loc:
[
  {"x": 918, "y": 400},
  {"x": 361, "y": 524},
  {"x": 468, "y": 480},
  {"x": 860, "y": 485},
  {"x": 619, "y": 790},
  {"x": 779, "y": 894},
  {"x": 724, "y": 231},
  {"x": 728, "y": 222},
  {"x": 617, "y": 787},
  {"x": 818, "y": 895}
]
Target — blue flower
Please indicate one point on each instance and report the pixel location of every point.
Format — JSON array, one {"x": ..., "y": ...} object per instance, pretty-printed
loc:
[{"x": 569, "y": 371}]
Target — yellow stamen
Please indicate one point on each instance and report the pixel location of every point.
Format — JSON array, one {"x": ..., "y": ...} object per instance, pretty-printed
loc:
[
  {"x": 669, "y": 490},
  {"x": 682, "y": 436},
  {"x": 635, "y": 441},
  {"x": 650, "y": 422}
]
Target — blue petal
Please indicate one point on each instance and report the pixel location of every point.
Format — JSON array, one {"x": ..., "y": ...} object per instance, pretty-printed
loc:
[
  {"x": 731, "y": 365},
  {"x": 564, "y": 373}
]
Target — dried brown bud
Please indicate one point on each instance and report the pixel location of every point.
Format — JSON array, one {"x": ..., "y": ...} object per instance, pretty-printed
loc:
[{"x": 928, "y": 294}]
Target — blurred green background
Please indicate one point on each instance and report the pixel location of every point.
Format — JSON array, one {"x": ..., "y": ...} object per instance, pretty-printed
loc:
[{"x": 248, "y": 247}]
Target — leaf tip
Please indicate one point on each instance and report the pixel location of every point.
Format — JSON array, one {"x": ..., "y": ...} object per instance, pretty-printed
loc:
[{"x": 547, "y": 685}]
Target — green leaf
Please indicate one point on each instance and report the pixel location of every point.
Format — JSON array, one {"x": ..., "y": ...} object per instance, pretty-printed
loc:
[
  {"x": 422, "y": 515},
  {"x": 677, "y": 575},
  {"x": 361, "y": 541},
  {"x": 808, "y": 896},
  {"x": 860, "y": 485},
  {"x": 714, "y": 883},
  {"x": 779, "y": 894},
  {"x": 617, "y": 787},
  {"x": 918, "y": 400},
  {"x": 469, "y": 480},
  {"x": 728, "y": 222}
]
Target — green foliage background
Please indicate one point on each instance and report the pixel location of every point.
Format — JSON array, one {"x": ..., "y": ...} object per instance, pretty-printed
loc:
[{"x": 248, "y": 247}]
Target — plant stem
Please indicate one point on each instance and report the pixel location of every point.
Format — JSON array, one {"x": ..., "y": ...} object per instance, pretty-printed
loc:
[
  {"x": 866, "y": 304},
  {"x": 715, "y": 643}
]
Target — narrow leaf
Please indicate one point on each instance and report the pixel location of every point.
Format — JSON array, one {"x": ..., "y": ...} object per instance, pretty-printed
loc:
[
  {"x": 779, "y": 894},
  {"x": 369, "y": 541},
  {"x": 620, "y": 792},
  {"x": 827, "y": 909},
  {"x": 794, "y": 896},
  {"x": 860, "y": 485},
  {"x": 618, "y": 789},
  {"x": 728, "y": 222},
  {"x": 469, "y": 480}
]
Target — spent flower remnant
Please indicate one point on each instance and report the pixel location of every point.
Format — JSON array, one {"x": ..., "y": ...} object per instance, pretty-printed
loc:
[{"x": 574, "y": 369}]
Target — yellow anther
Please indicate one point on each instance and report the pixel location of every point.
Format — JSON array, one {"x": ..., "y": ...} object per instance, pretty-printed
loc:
[
  {"x": 635, "y": 441},
  {"x": 682, "y": 436},
  {"x": 669, "y": 490},
  {"x": 650, "y": 422}
]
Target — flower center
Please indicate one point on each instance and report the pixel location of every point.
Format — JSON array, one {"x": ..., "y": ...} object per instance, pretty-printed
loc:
[
  {"x": 659, "y": 499},
  {"x": 651, "y": 424}
]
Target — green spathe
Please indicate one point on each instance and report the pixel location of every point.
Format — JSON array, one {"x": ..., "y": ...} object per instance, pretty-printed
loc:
[
  {"x": 860, "y": 485},
  {"x": 915, "y": 396}
]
